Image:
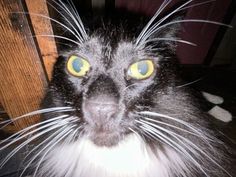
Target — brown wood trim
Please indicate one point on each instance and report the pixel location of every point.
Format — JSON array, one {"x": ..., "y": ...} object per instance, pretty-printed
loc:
[
  {"x": 41, "y": 26},
  {"x": 22, "y": 76}
]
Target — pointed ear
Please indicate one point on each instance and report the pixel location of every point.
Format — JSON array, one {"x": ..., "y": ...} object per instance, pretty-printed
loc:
[
  {"x": 162, "y": 35},
  {"x": 170, "y": 28},
  {"x": 167, "y": 33}
]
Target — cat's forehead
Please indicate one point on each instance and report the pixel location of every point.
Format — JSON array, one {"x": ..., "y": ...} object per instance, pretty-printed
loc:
[
  {"x": 106, "y": 49},
  {"x": 98, "y": 50}
]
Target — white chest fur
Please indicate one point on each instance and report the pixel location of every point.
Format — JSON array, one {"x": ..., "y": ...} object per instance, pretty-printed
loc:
[{"x": 130, "y": 158}]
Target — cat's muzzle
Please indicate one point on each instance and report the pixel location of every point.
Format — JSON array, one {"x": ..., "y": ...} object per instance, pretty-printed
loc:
[
  {"x": 100, "y": 114},
  {"x": 100, "y": 109}
]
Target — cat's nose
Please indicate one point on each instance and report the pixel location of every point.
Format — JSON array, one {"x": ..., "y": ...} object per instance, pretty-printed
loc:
[{"x": 100, "y": 109}]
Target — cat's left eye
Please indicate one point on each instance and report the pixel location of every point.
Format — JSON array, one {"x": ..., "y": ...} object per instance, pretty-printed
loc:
[
  {"x": 141, "y": 70},
  {"x": 77, "y": 66}
]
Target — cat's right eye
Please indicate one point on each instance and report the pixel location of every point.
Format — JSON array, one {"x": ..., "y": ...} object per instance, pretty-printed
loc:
[
  {"x": 141, "y": 70},
  {"x": 78, "y": 66}
]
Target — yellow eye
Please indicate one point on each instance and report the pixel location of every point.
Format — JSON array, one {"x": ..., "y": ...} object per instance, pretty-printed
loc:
[
  {"x": 77, "y": 66},
  {"x": 141, "y": 70}
]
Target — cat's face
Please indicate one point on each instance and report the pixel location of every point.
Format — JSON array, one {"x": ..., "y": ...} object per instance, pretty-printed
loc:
[
  {"x": 126, "y": 107},
  {"x": 115, "y": 82},
  {"x": 111, "y": 75}
]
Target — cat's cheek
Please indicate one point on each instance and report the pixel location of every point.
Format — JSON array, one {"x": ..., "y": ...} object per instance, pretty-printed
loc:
[
  {"x": 134, "y": 94},
  {"x": 76, "y": 82}
]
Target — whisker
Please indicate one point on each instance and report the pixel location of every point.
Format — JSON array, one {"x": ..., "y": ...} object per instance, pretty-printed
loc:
[
  {"x": 135, "y": 132},
  {"x": 43, "y": 142},
  {"x": 203, "y": 153},
  {"x": 198, "y": 4},
  {"x": 168, "y": 39},
  {"x": 177, "y": 120},
  {"x": 27, "y": 134},
  {"x": 41, "y": 111},
  {"x": 56, "y": 21},
  {"x": 191, "y": 21},
  {"x": 180, "y": 148},
  {"x": 59, "y": 132},
  {"x": 31, "y": 127},
  {"x": 190, "y": 83},
  {"x": 149, "y": 32},
  {"x": 164, "y": 130},
  {"x": 31, "y": 132},
  {"x": 63, "y": 43},
  {"x": 175, "y": 135},
  {"x": 205, "y": 138},
  {"x": 51, "y": 146},
  {"x": 161, "y": 8},
  {"x": 169, "y": 125},
  {"x": 76, "y": 20},
  {"x": 59, "y": 124},
  {"x": 59, "y": 37},
  {"x": 159, "y": 135},
  {"x": 67, "y": 20},
  {"x": 129, "y": 86}
]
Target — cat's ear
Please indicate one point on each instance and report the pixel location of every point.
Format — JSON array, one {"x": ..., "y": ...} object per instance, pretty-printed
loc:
[
  {"x": 168, "y": 33},
  {"x": 163, "y": 35}
]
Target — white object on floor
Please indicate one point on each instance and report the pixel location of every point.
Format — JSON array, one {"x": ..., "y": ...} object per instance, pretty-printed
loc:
[
  {"x": 220, "y": 114},
  {"x": 213, "y": 98}
]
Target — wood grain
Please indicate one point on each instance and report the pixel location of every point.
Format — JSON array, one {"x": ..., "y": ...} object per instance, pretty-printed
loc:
[
  {"x": 22, "y": 76},
  {"x": 41, "y": 26}
]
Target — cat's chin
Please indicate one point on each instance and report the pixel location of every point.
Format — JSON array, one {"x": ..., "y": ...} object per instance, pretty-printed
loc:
[
  {"x": 105, "y": 139},
  {"x": 104, "y": 136}
]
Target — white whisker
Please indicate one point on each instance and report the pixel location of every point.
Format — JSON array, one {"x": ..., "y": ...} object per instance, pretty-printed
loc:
[
  {"x": 41, "y": 111},
  {"x": 43, "y": 142},
  {"x": 76, "y": 20},
  {"x": 198, "y": 4},
  {"x": 179, "y": 147},
  {"x": 59, "y": 132},
  {"x": 129, "y": 87},
  {"x": 19, "y": 133},
  {"x": 199, "y": 132},
  {"x": 152, "y": 29},
  {"x": 64, "y": 133},
  {"x": 189, "y": 21},
  {"x": 167, "y": 39},
  {"x": 58, "y": 124},
  {"x": 67, "y": 20},
  {"x": 190, "y": 148},
  {"x": 161, "y": 8},
  {"x": 56, "y": 21},
  {"x": 169, "y": 125},
  {"x": 189, "y": 83},
  {"x": 27, "y": 134},
  {"x": 59, "y": 37}
]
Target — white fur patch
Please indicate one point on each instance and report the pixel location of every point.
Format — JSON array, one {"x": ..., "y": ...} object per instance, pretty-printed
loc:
[
  {"x": 221, "y": 114},
  {"x": 213, "y": 98},
  {"x": 130, "y": 158}
]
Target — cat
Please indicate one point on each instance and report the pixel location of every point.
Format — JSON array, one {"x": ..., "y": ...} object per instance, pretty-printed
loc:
[{"x": 114, "y": 107}]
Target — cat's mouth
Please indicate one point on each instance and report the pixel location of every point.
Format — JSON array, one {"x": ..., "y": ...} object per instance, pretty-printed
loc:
[{"x": 104, "y": 135}]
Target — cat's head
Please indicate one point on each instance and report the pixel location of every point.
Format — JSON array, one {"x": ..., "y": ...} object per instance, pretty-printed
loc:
[{"x": 110, "y": 74}]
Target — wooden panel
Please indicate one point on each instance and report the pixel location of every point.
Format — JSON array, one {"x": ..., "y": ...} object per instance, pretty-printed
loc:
[
  {"x": 41, "y": 26},
  {"x": 22, "y": 77}
]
